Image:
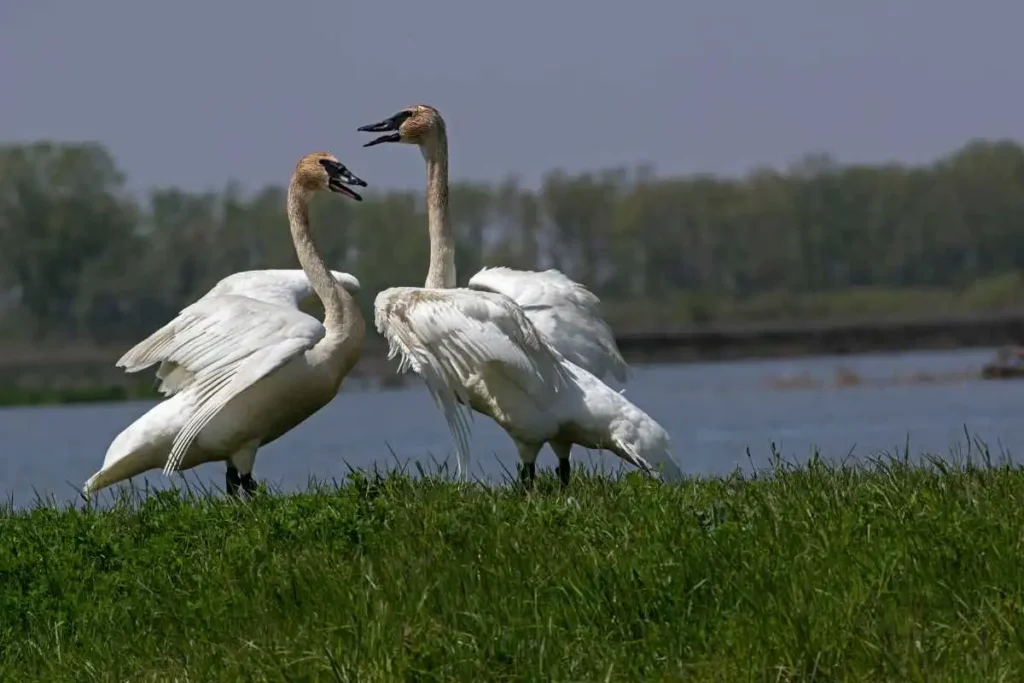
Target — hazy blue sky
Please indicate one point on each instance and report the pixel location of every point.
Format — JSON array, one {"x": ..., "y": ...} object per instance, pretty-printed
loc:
[{"x": 194, "y": 92}]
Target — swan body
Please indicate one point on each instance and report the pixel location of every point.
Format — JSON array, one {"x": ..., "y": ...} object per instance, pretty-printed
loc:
[
  {"x": 242, "y": 371},
  {"x": 565, "y": 313},
  {"x": 289, "y": 288},
  {"x": 478, "y": 350},
  {"x": 505, "y": 346}
]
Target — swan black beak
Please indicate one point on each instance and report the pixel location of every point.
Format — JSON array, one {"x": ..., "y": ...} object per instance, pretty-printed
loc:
[
  {"x": 339, "y": 178},
  {"x": 393, "y": 137},
  {"x": 392, "y": 123}
]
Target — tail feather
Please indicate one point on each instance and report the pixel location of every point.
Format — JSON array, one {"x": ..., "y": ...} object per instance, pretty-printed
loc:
[
  {"x": 657, "y": 461},
  {"x": 646, "y": 441},
  {"x": 667, "y": 466},
  {"x": 100, "y": 481},
  {"x": 141, "y": 446}
]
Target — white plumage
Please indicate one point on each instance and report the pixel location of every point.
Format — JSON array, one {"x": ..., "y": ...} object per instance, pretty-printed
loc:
[
  {"x": 476, "y": 350},
  {"x": 282, "y": 286},
  {"x": 525, "y": 348},
  {"x": 243, "y": 364},
  {"x": 446, "y": 336},
  {"x": 287, "y": 288},
  {"x": 226, "y": 344},
  {"x": 565, "y": 312}
]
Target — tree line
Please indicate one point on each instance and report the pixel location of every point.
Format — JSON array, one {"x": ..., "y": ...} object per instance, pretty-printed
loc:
[{"x": 83, "y": 260}]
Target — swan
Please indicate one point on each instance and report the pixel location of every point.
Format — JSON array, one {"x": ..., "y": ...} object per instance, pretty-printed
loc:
[
  {"x": 478, "y": 349},
  {"x": 244, "y": 371}
]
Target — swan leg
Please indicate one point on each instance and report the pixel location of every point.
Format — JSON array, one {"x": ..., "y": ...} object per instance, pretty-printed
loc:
[
  {"x": 239, "y": 473},
  {"x": 562, "y": 449},
  {"x": 528, "y": 454},
  {"x": 232, "y": 480}
]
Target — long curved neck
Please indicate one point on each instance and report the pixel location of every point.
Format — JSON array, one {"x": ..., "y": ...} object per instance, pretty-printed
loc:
[
  {"x": 441, "y": 274},
  {"x": 342, "y": 319}
]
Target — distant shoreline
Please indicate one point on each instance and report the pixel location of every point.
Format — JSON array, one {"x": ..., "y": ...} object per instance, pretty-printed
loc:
[
  {"x": 824, "y": 338},
  {"x": 41, "y": 376}
]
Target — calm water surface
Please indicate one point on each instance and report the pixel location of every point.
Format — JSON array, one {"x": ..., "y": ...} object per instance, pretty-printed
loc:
[{"x": 714, "y": 412}]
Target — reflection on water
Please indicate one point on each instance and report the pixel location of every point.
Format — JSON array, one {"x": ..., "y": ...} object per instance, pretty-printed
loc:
[{"x": 714, "y": 412}]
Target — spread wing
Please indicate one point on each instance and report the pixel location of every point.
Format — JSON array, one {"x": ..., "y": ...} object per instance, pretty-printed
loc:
[
  {"x": 447, "y": 335},
  {"x": 564, "y": 311},
  {"x": 281, "y": 287},
  {"x": 225, "y": 344}
]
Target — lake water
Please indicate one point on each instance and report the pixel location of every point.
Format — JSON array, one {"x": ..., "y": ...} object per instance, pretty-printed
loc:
[{"x": 714, "y": 412}]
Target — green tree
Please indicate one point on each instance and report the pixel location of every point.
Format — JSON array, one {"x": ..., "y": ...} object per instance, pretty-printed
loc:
[{"x": 82, "y": 261}]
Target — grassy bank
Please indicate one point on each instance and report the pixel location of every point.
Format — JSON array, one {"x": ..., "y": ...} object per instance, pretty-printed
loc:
[{"x": 893, "y": 573}]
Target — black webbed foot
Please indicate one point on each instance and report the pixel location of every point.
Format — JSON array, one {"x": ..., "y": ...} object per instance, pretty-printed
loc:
[
  {"x": 232, "y": 481},
  {"x": 249, "y": 484},
  {"x": 563, "y": 472}
]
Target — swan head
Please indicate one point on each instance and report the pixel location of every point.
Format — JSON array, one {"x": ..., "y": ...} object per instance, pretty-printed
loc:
[
  {"x": 322, "y": 171},
  {"x": 419, "y": 125}
]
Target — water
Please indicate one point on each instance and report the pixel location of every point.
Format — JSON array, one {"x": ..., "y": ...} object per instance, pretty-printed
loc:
[{"x": 714, "y": 412}]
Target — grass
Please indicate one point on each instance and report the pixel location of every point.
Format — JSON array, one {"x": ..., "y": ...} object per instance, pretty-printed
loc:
[{"x": 820, "y": 572}]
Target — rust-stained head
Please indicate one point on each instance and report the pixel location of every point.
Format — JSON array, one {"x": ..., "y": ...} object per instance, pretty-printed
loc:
[
  {"x": 322, "y": 171},
  {"x": 419, "y": 124}
]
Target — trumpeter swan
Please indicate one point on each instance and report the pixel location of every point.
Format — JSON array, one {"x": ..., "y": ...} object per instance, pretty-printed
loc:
[
  {"x": 480, "y": 348},
  {"x": 244, "y": 371}
]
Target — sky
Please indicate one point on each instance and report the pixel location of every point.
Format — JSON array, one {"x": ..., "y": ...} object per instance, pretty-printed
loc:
[{"x": 196, "y": 92}]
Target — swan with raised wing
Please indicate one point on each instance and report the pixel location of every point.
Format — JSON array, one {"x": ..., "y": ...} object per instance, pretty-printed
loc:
[
  {"x": 477, "y": 348},
  {"x": 244, "y": 371}
]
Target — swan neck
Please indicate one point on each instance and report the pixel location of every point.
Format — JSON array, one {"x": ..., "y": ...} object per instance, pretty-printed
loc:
[
  {"x": 441, "y": 274},
  {"x": 343, "y": 319}
]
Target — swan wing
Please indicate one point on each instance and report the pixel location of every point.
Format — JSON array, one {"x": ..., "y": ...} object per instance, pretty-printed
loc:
[
  {"x": 226, "y": 344},
  {"x": 564, "y": 311},
  {"x": 281, "y": 287},
  {"x": 447, "y": 335}
]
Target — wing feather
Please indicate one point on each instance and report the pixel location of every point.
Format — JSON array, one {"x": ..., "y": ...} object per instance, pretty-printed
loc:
[
  {"x": 225, "y": 383},
  {"x": 564, "y": 311},
  {"x": 447, "y": 335},
  {"x": 281, "y": 287},
  {"x": 225, "y": 344}
]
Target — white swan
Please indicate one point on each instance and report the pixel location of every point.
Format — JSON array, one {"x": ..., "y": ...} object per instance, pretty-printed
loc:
[
  {"x": 480, "y": 349},
  {"x": 244, "y": 371}
]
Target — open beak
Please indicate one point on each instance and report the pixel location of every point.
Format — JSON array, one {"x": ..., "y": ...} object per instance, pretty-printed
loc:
[
  {"x": 385, "y": 125},
  {"x": 340, "y": 180}
]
